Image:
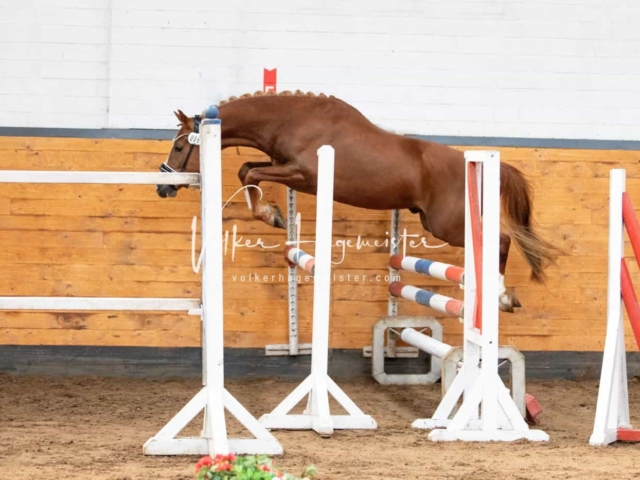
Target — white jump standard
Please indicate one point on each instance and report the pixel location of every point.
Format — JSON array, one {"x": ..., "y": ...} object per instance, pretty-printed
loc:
[
  {"x": 612, "y": 422},
  {"x": 450, "y": 360},
  {"x": 213, "y": 397},
  {"x": 487, "y": 413},
  {"x": 445, "y": 360},
  {"x": 318, "y": 385}
]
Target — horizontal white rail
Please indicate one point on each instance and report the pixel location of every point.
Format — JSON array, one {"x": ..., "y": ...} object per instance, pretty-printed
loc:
[
  {"x": 97, "y": 303},
  {"x": 425, "y": 343},
  {"x": 130, "y": 178}
]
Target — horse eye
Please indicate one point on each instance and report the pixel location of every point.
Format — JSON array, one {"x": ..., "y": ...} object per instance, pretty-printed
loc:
[{"x": 177, "y": 148}]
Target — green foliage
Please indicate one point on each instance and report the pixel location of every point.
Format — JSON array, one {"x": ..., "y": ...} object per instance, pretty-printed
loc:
[{"x": 251, "y": 467}]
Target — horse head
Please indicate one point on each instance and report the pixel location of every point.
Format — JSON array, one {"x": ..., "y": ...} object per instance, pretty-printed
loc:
[{"x": 185, "y": 152}]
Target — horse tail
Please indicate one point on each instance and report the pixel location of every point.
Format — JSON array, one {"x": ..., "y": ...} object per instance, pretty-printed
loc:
[{"x": 516, "y": 199}]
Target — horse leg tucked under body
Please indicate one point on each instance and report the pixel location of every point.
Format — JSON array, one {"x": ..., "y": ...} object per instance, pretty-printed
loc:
[
  {"x": 508, "y": 299},
  {"x": 446, "y": 224},
  {"x": 252, "y": 173}
]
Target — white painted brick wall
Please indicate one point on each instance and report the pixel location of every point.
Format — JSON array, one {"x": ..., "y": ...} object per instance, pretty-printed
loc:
[
  {"x": 54, "y": 63},
  {"x": 518, "y": 68}
]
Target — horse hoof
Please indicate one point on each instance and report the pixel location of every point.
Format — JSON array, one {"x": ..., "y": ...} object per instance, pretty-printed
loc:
[
  {"x": 505, "y": 305},
  {"x": 277, "y": 219},
  {"x": 514, "y": 300},
  {"x": 508, "y": 301}
]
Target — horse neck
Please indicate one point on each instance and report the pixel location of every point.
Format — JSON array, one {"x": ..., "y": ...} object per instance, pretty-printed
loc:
[{"x": 245, "y": 124}]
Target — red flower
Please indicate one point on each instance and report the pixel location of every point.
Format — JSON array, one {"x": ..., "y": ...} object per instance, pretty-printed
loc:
[
  {"x": 224, "y": 458},
  {"x": 205, "y": 461}
]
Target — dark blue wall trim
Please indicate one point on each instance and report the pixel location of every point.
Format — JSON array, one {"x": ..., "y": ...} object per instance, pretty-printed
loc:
[
  {"x": 117, "y": 133},
  {"x": 567, "y": 143},
  {"x": 155, "y": 362},
  {"x": 143, "y": 134}
]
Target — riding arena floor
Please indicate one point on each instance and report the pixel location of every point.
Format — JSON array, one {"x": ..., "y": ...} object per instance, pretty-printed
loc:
[{"x": 94, "y": 428}]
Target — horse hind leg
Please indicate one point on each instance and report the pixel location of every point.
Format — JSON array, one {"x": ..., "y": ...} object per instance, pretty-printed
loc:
[
  {"x": 507, "y": 296},
  {"x": 507, "y": 299}
]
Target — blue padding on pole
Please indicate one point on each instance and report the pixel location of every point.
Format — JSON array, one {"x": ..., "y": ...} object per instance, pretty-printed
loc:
[
  {"x": 423, "y": 297},
  {"x": 423, "y": 266}
]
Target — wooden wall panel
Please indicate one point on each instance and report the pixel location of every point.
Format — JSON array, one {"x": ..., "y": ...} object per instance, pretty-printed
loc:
[{"x": 111, "y": 240}]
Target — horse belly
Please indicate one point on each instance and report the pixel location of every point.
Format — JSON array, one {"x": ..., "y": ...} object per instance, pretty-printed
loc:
[{"x": 372, "y": 195}]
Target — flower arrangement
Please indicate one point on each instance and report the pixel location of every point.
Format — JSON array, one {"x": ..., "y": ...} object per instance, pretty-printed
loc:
[{"x": 260, "y": 467}]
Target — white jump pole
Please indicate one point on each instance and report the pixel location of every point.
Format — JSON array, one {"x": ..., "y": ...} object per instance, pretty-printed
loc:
[
  {"x": 104, "y": 178},
  {"x": 100, "y": 303},
  {"x": 318, "y": 385},
  {"x": 425, "y": 343}
]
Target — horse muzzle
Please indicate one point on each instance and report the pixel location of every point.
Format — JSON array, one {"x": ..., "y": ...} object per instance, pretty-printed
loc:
[{"x": 165, "y": 191}]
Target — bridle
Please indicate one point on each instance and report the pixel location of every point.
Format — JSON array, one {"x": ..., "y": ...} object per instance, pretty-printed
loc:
[{"x": 194, "y": 139}]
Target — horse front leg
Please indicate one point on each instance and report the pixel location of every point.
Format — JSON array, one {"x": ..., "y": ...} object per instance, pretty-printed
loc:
[
  {"x": 507, "y": 296},
  {"x": 251, "y": 174},
  {"x": 259, "y": 210}
]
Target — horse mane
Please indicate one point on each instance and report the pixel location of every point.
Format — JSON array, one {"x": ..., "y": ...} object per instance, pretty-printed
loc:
[
  {"x": 185, "y": 121},
  {"x": 285, "y": 93}
]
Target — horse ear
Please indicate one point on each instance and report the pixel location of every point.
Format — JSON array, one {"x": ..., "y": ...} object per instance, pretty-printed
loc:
[{"x": 184, "y": 119}]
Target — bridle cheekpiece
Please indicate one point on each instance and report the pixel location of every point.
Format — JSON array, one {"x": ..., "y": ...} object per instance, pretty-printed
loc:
[{"x": 193, "y": 139}]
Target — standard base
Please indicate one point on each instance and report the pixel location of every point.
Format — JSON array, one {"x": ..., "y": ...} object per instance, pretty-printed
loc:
[
  {"x": 473, "y": 432},
  {"x": 200, "y": 446},
  {"x": 465, "y": 425},
  {"x": 165, "y": 443},
  {"x": 602, "y": 439},
  {"x": 485, "y": 436},
  {"x": 317, "y": 415},
  {"x": 612, "y": 436},
  {"x": 305, "y": 421}
]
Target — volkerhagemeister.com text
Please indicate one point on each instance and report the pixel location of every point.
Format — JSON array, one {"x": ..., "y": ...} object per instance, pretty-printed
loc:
[{"x": 335, "y": 277}]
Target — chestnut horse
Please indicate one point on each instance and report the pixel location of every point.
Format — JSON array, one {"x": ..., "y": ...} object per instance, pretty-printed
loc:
[{"x": 374, "y": 169}]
